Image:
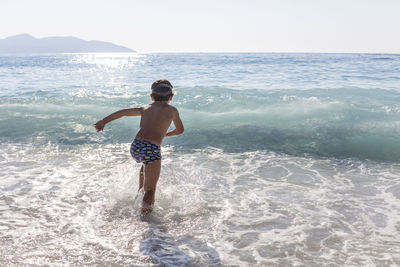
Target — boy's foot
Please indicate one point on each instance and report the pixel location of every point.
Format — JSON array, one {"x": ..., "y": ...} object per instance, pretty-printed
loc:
[
  {"x": 146, "y": 211},
  {"x": 146, "y": 208}
]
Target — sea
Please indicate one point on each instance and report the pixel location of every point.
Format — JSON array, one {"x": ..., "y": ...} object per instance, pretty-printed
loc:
[{"x": 287, "y": 159}]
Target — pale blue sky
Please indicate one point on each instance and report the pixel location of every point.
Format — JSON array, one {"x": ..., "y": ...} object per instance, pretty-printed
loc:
[{"x": 214, "y": 25}]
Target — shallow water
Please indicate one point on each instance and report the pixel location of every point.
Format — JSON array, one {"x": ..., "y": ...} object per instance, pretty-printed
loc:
[
  {"x": 274, "y": 169},
  {"x": 213, "y": 208}
]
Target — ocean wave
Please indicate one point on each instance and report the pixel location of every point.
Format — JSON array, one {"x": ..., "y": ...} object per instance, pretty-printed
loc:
[{"x": 344, "y": 122}]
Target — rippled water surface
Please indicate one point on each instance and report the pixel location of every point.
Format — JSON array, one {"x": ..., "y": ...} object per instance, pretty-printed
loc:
[{"x": 286, "y": 160}]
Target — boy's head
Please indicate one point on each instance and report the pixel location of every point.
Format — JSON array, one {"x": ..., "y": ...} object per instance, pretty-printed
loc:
[{"x": 161, "y": 90}]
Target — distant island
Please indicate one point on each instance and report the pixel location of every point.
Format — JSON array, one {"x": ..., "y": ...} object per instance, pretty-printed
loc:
[{"x": 25, "y": 43}]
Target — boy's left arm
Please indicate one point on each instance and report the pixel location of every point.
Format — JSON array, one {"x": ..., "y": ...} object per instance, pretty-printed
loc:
[
  {"x": 116, "y": 115},
  {"x": 178, "y": 124}
]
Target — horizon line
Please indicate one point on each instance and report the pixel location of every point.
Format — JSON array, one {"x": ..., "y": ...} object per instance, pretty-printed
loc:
[
  {"x": 214, "y": 52},
  {"x": 207, "y": 52}
]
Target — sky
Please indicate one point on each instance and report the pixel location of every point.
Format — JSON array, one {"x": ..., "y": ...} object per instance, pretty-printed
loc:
[{"x": 344, "y": 26}]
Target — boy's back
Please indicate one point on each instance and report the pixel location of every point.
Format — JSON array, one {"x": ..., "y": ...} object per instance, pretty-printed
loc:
[{"x": 155, "y": 121}]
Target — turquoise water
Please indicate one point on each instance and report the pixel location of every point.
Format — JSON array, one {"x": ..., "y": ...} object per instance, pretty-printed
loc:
[{"x": 286, "y": 159}]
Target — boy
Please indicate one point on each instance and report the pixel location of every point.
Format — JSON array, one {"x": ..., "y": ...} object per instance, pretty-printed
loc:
[{"x": 154, "y": 123}]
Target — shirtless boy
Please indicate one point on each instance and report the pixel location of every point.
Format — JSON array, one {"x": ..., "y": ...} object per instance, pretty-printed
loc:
[{"x": 154, "y": 123}]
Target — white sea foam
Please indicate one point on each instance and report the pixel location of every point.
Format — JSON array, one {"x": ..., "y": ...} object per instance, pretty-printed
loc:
[{"x": 61, "y": 205}]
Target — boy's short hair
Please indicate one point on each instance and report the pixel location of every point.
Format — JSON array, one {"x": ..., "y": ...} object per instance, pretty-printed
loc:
[{"x": 161, "y": 90}]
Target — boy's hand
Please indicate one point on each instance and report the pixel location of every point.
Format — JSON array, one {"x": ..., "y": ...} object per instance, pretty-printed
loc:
[{"x": 100, "y": 125}]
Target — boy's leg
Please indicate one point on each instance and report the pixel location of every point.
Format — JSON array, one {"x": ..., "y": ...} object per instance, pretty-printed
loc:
[
  {"x": 151, "y": 175},
  {"x": 141, "y": 177}
]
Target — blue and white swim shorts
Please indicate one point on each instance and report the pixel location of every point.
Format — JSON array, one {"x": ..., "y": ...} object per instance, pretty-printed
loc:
[{"x": 145, "y": 151}]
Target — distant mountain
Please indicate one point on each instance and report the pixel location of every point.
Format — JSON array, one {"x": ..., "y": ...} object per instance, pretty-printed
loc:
[{"x": 25, "y": 43}]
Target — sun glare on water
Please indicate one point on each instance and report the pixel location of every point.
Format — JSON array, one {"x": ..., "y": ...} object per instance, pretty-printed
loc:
[{"x": 117, "y": 61}]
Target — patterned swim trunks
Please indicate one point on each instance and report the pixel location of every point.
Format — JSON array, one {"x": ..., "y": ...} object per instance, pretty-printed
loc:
[{"x": 145, "y": 151}]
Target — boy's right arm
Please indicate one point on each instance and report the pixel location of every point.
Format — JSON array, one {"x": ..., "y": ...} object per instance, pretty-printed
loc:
[
  {"x": 116, "y": 115},
  {"x": 178, "y": 124}
]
